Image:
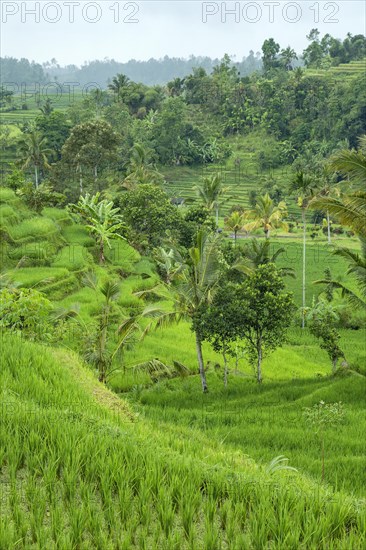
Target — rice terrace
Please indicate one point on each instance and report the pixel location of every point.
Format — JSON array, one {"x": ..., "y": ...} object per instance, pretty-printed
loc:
[{"x": 182, "y": 299}]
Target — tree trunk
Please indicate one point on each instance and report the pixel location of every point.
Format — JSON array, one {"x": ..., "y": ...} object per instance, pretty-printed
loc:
[
  {"x": 266, "y": 233},
  {"x": 101, "y": 252},
  {"x": 217, "y": 215},
  {"x": 235, "y": 235},
  {"x": 328, "y": 227},
  {"x": 200, "y": 363},
  {"x": 81, "y": 181},
  {"x": 334, "y": 364},
  {"x": 303, "y": 268},
  {"x": 225, "y": 369},
  {"x": 36, "y": 175},
  {"x": 259, "y": 363}
]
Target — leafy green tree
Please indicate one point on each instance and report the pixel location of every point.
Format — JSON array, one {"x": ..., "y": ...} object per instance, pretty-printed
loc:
[
  {"x": 102, "y": 219},
  {"x": 267, "y": 214},
  {"x": 148, "y": 211},
  {"x": 266, "y": 313},
  {"x": 303, "y": 185},
  {"x": 55, "y": 127},
  {"x": 91, "y": 145},
  {"x": 322, "y": 319},
  {"x": 270, "y": 50},
  {"x": 314, "y": 53},
  {"x": 34, "y": 151},
  {"x": 219, "y": 323}
]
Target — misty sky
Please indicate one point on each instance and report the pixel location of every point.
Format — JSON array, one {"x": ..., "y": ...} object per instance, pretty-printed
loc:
[{"x": 78, "y": 31}]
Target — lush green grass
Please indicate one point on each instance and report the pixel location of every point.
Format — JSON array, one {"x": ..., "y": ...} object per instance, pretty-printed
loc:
[
  {"x": 74, "y": 258},
  {"x": 37, "y": 227},
  {"x": 31, "y": 276},
  {"x": 263, "y": 421},
  {"x": 76, "y": 473}
]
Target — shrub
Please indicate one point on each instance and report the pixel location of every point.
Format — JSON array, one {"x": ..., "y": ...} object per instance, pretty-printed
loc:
[{"x": 25, "y": 311}]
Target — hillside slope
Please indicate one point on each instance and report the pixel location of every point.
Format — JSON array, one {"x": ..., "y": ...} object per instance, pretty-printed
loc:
[{"x": 80, "y": 470}]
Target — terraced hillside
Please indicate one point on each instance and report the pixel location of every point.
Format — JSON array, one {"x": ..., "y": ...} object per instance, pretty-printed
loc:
[
  {"x": 79, "y": 470},
  {"x": 348, "y": 70},
  {"x": 240, "y": 173}
]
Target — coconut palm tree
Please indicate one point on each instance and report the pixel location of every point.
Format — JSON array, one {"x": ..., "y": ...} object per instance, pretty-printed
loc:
[
  {"x": 235, "y": 223},
  {"x": 349, "y": 209},
  {"x": 102, "y": 220},
  {"x": 119, "y": 82},
  {"x": 329, "y": 189},
  {"x": 303, "y": 185},
  {"x": 267, "y": 214},
  {"x": 356, "y": 268},
  {"x": 140, "y": 170},
  {"x": 194, "y": 286},
  {"x": 259, "y": 253},
  {"x": 34, "y": 152},
  {"x": 211, "y": 192}
]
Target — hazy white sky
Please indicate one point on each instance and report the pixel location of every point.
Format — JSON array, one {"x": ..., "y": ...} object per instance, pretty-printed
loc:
[{"x": 74, "y": 31}]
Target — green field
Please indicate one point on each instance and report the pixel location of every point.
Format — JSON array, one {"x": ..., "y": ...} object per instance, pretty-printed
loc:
[{"x": 79, "y": 469}]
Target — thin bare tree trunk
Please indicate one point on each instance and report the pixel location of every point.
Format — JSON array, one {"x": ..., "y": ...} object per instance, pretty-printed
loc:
[
  {"x": 303, "y": 268},
  {"x": 36, "y": 175},
  {"x": 200, "y": 363},
  {"x": 101, "y": 252},
  {"x": 259, "y": 362},
  {"x": 225, "y": 368},
  {"x": 328, "y": 226},
  {"x": 81, "y": 181}
]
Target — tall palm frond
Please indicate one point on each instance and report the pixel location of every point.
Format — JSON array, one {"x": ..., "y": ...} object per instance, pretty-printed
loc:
[
  {"x": 350, "y": 210},
  {"x": 352, "y": 163}
]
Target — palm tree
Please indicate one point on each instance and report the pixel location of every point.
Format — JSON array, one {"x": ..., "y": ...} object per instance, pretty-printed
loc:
[
  {"x": 102, "y": 220},
  {"x": 352, "y": 163},
  {"x": 328, "y": 187},
  {"x": 303, "y": 186},
  {"x": 119, "y": 82},
  {"x": 287, "y": 56},
  {"x": 267, "y": 214},
  {"x": 350, "y": 209},
  {"x": 259, "y": 253},
  {"x": 235, "y": 222},
  {"x": 211, "y": 191},
  {"x": 140, "y": 170},
  {"x": 194, "y": 286},
  {"x": 34, "y": 151},
  {"x": 357, "y": 268}
]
